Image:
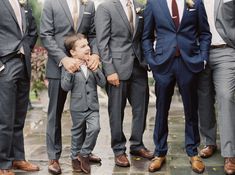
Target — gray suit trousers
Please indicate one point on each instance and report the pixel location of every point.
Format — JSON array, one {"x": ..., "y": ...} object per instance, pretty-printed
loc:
[
  {"x": 57, "y": 97},
  {"x": 206, "y": 107},
  {"x": 222, "y": 63},
  {"x": 136, "y": 90},
  {"x": 84, "y": 122},
  {"x": 14, "y": 98}
]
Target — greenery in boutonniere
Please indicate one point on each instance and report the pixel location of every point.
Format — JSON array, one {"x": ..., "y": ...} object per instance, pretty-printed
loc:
[
  {"x": 190, "y": 3},
  {"x": 84, "y": 2}
]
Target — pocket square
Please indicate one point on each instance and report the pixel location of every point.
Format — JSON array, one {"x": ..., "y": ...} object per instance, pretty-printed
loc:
[
  {"x": 87, "y": 13},
  {"x": 191, "y": 10},
  {"x": 140, "y": 17}
]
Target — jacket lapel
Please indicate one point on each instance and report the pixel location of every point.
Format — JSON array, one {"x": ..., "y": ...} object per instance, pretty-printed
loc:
[
  {"x": 216, "y": 6},
  {"x": 9, "y": 7},
  {"x": 166, "y": 10},
  {"x": 24, "y": 27},
  {"x": 183, "y": 16},
  {"x": 122, "y": 13},
  {"x": 65, "y": 7},
  {"x": 81, "y": 11},
  {"x": 136, "y": 18}
]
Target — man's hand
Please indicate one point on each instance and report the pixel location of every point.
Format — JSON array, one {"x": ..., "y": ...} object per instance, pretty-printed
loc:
[
  {"x": 93, "y": 62},
  {"x": 71, "y": 64},
  {"x": 113, "y": 79}
]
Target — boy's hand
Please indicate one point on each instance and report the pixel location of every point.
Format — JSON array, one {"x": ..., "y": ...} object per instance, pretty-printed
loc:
[
  {"x": 93, "y": 62},
  {"x": 70, "y": 64}
]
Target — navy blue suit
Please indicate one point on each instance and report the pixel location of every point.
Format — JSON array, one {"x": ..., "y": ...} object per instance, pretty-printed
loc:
[{"x": 193, "y": 39}]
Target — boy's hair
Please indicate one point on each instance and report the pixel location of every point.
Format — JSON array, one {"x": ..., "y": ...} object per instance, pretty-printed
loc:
[{"x": 70, "y": 40}]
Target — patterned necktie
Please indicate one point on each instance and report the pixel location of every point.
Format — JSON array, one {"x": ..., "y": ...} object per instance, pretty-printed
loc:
[
  {"x": 16, "y": 7},
  {"x": 130, "y": 14},
  {"x": 175, "y": 13},
  {"x": 75, "y": 14}
]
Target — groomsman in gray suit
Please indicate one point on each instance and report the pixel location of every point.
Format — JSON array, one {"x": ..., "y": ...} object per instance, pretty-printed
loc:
[
  {"x": 59, "y": 19},
  {"x": 119, "y": 26},
  {"x": 18, "y": 35},
  {"x": 219, "y": 76}
]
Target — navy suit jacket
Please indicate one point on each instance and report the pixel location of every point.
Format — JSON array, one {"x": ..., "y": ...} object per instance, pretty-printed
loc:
[{"x": 193, "y": 36}]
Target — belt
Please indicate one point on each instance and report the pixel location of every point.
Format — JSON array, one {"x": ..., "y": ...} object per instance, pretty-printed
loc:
[
  {"x": 218, "y": 46},
  {"x": 6, "y": 58}
]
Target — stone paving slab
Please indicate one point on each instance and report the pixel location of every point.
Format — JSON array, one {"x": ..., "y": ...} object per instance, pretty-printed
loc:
[{"x": 177, "y": 161}]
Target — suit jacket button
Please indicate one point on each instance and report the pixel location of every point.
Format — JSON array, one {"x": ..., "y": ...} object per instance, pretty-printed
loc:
[{"x": 88, "y": 93}]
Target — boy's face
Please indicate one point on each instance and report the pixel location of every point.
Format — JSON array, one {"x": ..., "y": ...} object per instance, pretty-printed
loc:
[{"x": 81, "y": 49}]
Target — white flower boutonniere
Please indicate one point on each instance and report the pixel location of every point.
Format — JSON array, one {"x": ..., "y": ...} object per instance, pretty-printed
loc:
[
  {"x": 22, "y": 2},
  {"x": 139, "y": 10},
  {"x": 190, "y": 3},
  {"x": 84, "y": 2}
]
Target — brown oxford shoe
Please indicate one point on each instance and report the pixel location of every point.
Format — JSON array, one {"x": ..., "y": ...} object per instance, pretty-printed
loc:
[
  {"x": 229, "y": 165},
  {"x": 93, "y": 158},
  {"x": 6, "y": 172},
  {"x": 54, "y": 167},
  {"x": 156, "y": 163},
  {"x": 85, "y": 164},
  {"x": 24, "y": 165},
  {"x": 208, "y": 151},
  {"x": 143, "y": 152},
  {"x": 76, "y": 165},
  {"x": 197, "y": 164},
  {"x": 122, "y": 160}
]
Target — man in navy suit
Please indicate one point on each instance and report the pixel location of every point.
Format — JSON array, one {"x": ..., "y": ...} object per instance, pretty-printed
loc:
[{"x": 181, "y": 52}]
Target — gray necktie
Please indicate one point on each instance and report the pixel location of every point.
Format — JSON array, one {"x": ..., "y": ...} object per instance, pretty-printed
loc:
[{"x": 75, "y": 14}]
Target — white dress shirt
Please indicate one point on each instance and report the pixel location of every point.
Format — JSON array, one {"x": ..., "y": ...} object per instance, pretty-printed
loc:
[
  {"x": 124, "y": 2},
  {"x": 84, "y": 70},
  {"x": 180, "y": 4},
  {"x": 216, "y": 38}
]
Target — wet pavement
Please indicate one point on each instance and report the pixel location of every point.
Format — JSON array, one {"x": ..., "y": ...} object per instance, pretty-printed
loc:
[{"x": 177, "y": 160}]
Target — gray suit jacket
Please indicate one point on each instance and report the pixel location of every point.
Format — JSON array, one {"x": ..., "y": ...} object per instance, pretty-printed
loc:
[
  {"x": 225, "y": 20},
  {"x": 56, "y": 23},
  {"x": 117, "y": 46},
  {"x": 11, "y": 38},
  {"x": 83, "y": 90}
]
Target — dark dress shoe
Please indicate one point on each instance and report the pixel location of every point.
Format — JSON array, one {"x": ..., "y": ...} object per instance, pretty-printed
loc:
[
  {"x": 208, "y": 151},
  {"x": 6, "y": 172},
  {"x": 229, "y": 165},
  {"x": 156, "y": 163},
  {"x": 76, "y": 165},
  {"x": 85, "y": 164},
  {"x": 197, "y": 164},
  {"x": 121, "y": 160},
  {"x": 143, "y": 152},
  {"x": 54, "y": 167},
  {"x": 24, "y": 165},
  {"x": 93, "y": 158}
]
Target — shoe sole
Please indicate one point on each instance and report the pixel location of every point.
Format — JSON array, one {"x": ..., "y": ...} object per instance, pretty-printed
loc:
[{"x": 53, "y": 172}]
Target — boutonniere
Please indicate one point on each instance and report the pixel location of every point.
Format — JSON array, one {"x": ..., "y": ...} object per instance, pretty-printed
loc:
[
  {"x": 190, "y": 3},
  {"x": 22, "y": 2},
  {"x": 84, "y": 2},
  {"x": 139, "y": 10}
]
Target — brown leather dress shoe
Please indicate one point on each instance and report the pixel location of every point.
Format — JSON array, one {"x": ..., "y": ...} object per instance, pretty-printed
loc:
[
  {"x": 54, "y": 167},
  {"x": 156, "y": 163},
  {"x": 208, "y": 151},
  {"x": 93, "y": 158},
  {"x": 85, "y": 164},
  {"x": 6, "y": 172},
  {"x": 143, "y": 152},
  {"x": 24, "y": 165},
  {"x": 229, "y": 165},
  {"x": 197, "y": 164},
  {"x": 76, "y": 165},
  {"x": 122, "y": 160}
]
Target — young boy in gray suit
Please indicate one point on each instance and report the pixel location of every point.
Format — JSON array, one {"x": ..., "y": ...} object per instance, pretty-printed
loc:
[{"x": 84, "y": 105}]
